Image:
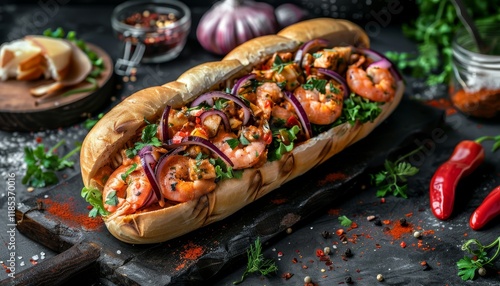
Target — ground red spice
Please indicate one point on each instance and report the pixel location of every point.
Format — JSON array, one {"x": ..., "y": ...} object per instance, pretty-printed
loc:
[
  {"x": 278, "y": 201},
  {"x": 443, "y": 104},
  {"x": 190, "y": 252},
  {"x": 332, "y": 177},
  {"x": 67, "y": 211},
  {"x": 335, "y": 212},
  {"x": 397, "y": 230}
]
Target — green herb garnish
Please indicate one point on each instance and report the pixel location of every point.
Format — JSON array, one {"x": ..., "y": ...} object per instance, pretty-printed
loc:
[
  {"x": 394, "y": 177},
  {"x": 128, "y": 172},
  {"x": 223, "y": 171},
  {"x": 358, "y": 109},
  {"x": 317, "y": 84},
  {"x": 345, "y": 221},
  {"x": 433, "y": 30},
  {"x": 279, "y": 64},
  {"x": 282, "y": 142},
  {"x": 467, "y": 266},
  {"x": 148, "y": 138},
  {"x": 257, "y": 262},
  {"x": 94, "y": 198},
  {"x": 41, "y": 165},
  {"x": 112, "y": 199}
]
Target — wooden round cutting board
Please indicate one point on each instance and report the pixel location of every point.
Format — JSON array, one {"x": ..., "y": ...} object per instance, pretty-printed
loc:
[{"x": 20, "y": 111}]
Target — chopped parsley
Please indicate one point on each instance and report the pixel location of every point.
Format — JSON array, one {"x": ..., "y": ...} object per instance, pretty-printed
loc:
[
  {"x": 94, "y": 198},
  {"x": 112, "y": 199},
  {"x": 128, "y": 172},
  {"x": 223, "y": 171},
  {"x": 358, "y": 109},
  {"x": 148, "y": 137},
  {"x": 279, "y": 64},
  {"x": 282, "y": 142},
  {"x": 317, "y": 84}
]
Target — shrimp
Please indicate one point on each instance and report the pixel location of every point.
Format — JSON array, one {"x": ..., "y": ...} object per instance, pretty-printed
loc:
[
  {"x": 127, "y": 189},
  {"x": 284, "y": 115},
  {"x": 245, "y": 156},
  {"x": 376, "y": 83},
  {"x": 321, "y": 108},
  {"x": 183, "y": 179},
  {"x": 267, "y": 95}
]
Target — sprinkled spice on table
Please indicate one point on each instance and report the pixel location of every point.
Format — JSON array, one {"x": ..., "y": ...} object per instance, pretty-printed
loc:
[
  {"x": 66, "y": 211},
  {"x": 191, "y": 252}
]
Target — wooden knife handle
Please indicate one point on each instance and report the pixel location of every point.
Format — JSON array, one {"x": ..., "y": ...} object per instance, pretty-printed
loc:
[{"x": 58, "y": 269}]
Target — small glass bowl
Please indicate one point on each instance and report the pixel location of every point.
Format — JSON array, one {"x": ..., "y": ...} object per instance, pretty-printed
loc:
[
  {"x": 474, "y": 84},
  {"x": 160, "y": 26}
]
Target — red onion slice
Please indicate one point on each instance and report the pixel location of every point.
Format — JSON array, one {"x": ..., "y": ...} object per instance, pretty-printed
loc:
[
  {"x": 307, "y": 46},
  {"x": 221, "y": 114},
  {"x": 147, "y": 160},
  {"x": 195, "y": 140},
  {"x": 164, "y": 124},
  {"x": 383, "y": 63},
  {"x": 209, "y": 96},
  {"x": 206, "y": 97},
  {"x": 336, "y": 77},
  {"x": 301, "y": 113},
  {"x": 241, "y": 82},
  {"x": 377, "y": 57}
]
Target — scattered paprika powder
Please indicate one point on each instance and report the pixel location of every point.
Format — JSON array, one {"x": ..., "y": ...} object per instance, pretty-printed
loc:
[
  {"x": 66, "y": 210},
  {"x": 398, "y": 230},
  {"x": 190, "y": 252},
  {"x": 332, "y": 177}
]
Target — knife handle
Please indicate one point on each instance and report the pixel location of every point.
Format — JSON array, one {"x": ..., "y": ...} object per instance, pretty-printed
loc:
[{"x": 56, "y": 270}]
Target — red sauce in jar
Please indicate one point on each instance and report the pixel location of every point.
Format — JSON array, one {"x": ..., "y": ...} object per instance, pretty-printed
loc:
[{"x": 483, "y": 103}]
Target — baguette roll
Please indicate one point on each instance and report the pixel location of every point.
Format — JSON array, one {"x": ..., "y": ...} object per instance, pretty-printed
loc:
[{"x": 114, "y": 132}]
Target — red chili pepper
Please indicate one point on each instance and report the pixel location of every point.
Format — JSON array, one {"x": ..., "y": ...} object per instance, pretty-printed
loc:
[
  {"x": 487, "y": 210},
  {"x": 466, "y": 157}
]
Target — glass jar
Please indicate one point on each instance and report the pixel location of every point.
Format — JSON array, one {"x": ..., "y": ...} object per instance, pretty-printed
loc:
[
  {"x": 475, "y": 82},
  {"x": 159, "y": 28}
]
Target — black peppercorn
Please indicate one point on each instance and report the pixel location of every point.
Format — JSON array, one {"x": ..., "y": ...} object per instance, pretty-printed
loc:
[
  {"x": 325, "y": 234},
  {"x": 348, "y": 253},
  {"x": 348, "y": 280},
  {"x": 377, "y": 222},
  {"x": 403, "y": 222}
]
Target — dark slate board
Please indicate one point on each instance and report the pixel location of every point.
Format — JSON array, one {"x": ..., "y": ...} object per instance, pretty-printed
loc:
[{"x": 225, "y": 242}]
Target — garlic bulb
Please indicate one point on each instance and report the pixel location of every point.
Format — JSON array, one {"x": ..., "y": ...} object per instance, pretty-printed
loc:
[
  {"x": 230, "y": 23},
  {"x": 288, "y": 13}
]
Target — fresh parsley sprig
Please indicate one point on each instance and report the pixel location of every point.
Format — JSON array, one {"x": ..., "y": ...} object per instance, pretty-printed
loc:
[
  {"x": 467, "y": 266},
  {"x": 41, "y": 165},
  {"x": 394, "y": 177},
  {"x": 94, "y": 198},
  {"x": 257, "y": 262},
  {"x": 148, "y": 137},
  {"x": 345, "y": 221}
]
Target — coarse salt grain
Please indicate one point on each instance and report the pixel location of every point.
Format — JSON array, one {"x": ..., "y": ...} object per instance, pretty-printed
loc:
[{"x": 118, "y": 252}]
